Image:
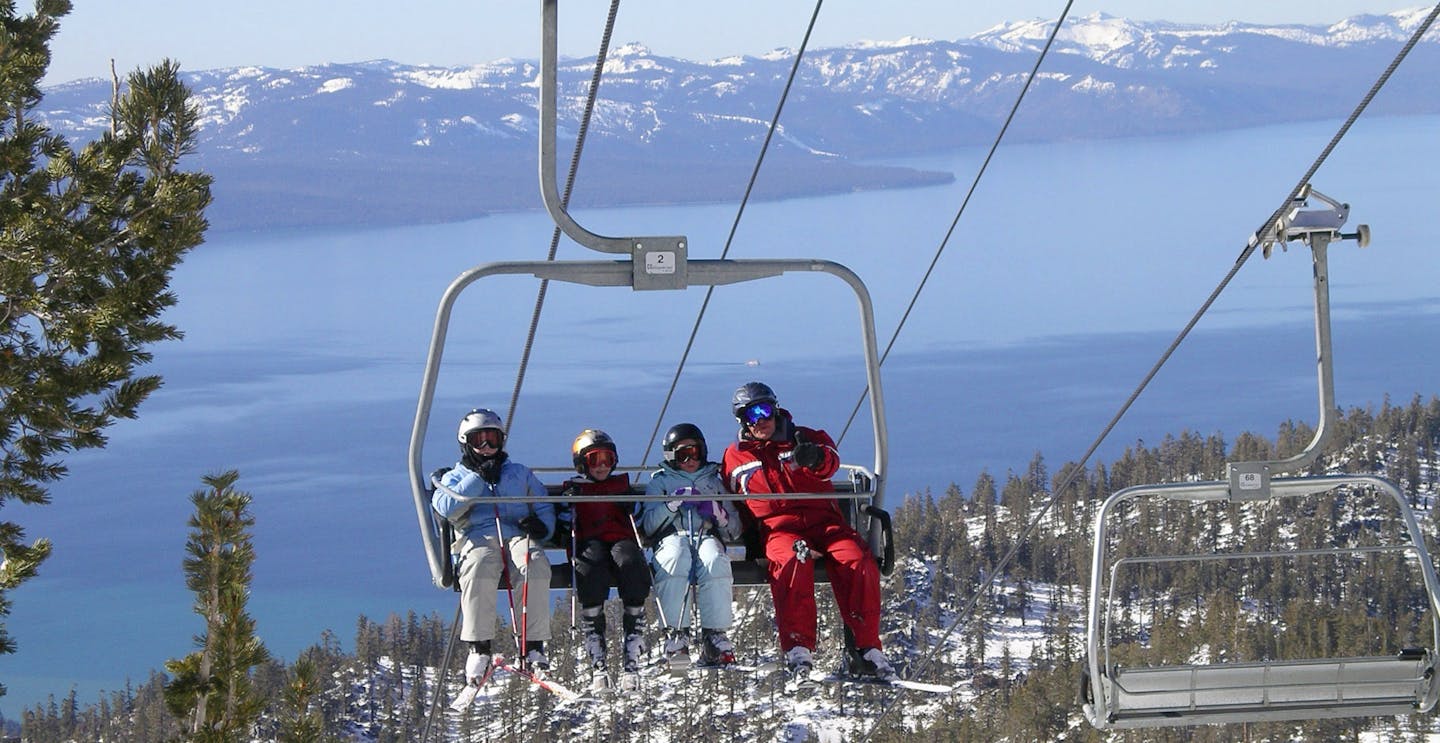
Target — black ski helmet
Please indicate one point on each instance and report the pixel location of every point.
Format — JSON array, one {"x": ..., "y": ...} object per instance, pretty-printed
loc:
[
  {"x": 589, "y": 440},
  {"x": 679, "y": 432},
  {"x": 750, "y": 394}
]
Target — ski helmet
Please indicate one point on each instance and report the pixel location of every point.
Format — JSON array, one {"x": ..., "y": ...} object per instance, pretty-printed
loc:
[
  {"x": 680, "y": 432},
  {"x": 750, "y": 394},
  {"x": 476, "y": 420},
  {"x": 590, "y": 440}
]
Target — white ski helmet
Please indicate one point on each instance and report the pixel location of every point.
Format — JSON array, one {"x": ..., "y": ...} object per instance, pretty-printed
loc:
[{"x": 477, "y": 419}]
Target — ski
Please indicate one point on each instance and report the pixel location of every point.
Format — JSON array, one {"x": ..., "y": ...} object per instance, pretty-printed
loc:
[
  {"x": 678, "y": 665},
  {"x": 554, "y": 687},
  {"x": 898, "y": 683},
  {"x": 763, "y": 669},
  {"x": 600, "y": 683},
  {"x": 466, "y": 697},
  {"x": 800, "y": 683}
]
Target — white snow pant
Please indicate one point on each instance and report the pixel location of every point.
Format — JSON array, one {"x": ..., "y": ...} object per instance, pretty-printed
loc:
[
  {"x": 713, "y": 581},
  {"x": 480, "y": 572}
]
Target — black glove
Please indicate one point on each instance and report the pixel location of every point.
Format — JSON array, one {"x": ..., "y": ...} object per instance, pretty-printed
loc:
[
  {"x": 490, "y": 470},
  {"x": 564, "y": 518},
  {"x": 533, "y": 526},
  {"x": 807, "y": 455}
]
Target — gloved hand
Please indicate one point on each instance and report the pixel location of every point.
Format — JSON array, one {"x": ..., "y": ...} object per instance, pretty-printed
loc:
[
  {"x": 490, "y": 470},
  {"x": 673, "y": 505},
  {"x": 533, "y": 526},
  {"x": 722, "y": 519},
  {"x": 807, "y": 455}
]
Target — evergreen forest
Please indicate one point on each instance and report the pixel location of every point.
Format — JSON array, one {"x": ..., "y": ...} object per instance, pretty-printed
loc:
[{"x": 988, "y": 595}]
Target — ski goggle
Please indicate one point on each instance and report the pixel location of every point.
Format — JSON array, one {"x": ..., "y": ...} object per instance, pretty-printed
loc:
[
  {"x": 483, "y": 437},
  {"x": 687, "y": 453},
  {"x": 757, "y": 412},
  {"x": 599, "y": 458}
]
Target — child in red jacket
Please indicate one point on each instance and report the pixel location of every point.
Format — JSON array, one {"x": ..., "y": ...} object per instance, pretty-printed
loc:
[{"x": 606, "y": 552}]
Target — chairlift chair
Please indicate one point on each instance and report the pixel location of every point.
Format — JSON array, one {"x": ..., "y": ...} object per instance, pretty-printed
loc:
[
  {"x": 648, "y": 264},
  {"x": 1115, "y": 695}
]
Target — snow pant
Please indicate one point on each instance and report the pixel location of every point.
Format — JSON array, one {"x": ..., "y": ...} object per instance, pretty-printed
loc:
[
  {"x": 854, "y": 578},
  {"x": 599, "y": 565},
  {"x": 480, "y": 571},
  {"x": 675, "y": 557}
]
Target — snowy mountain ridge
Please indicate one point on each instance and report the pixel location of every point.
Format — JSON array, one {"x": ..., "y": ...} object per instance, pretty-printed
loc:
[
  {"x": 447, "y": 139},
  {"x": 1105, "y": 38}
]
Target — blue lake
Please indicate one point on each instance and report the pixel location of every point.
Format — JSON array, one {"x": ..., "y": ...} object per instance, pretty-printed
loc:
[{"x": 1071, "y": 271}]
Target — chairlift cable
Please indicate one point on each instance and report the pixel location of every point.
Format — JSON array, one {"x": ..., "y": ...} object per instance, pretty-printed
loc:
[
  {"x": 535, "y": 316},
  {"x": 967, "y": 612},
  {"x": 750, "y": 187},
  {"x": 565, "y": 201},
  {"x": 974, "y": 184}
]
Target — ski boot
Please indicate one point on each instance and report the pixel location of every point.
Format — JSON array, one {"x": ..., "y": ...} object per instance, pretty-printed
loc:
[
  {"x": 535, "y": 660},
  {"x": 716, "y": 649},
  {"x": 870, "y": 663}
]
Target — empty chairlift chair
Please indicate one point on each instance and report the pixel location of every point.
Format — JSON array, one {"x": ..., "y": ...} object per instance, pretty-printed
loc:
[{"x": 1121, "y": 688}]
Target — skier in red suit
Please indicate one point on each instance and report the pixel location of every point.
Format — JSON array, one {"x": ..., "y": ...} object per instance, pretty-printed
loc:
[{"x": 773, "y": 455}]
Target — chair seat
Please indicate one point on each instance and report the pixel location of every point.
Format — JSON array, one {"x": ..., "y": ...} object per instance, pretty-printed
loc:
[{"x": 1298, "y": 689}]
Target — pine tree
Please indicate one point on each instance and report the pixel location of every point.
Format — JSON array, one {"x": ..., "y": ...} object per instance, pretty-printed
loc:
[
  {"x": 302, "y": 720},
  {"x": 88, "y": 241},
  {"x": 212, "y": 688}
]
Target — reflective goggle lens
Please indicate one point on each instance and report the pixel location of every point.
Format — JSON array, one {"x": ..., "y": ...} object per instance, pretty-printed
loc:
[
  {"x": 757, "y": 412},
  {"x": 600, "y": 458},
  {"x": 483, "y": 437},
  {"x": 690, "y": 453}
]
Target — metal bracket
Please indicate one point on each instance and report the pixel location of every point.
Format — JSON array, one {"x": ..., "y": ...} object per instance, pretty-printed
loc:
[
  {"x": 1248, "y": 480},
  {"x": 1296, "y": 224},
  {"x": 660, "y": 263}
]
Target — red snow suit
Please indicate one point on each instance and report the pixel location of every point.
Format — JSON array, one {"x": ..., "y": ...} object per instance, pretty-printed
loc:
[{"x": 754, "y": 467}]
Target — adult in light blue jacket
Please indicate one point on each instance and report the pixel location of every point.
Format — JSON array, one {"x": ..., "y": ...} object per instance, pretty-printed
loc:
[
  {"x": 495, "y": 539},
  {"x": 689, "y": 551}
]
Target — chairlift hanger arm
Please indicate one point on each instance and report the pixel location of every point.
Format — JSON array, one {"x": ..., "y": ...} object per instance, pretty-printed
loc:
[
  {"x": 549, "y": 191},
  {"x": 1317, "y": 228}
]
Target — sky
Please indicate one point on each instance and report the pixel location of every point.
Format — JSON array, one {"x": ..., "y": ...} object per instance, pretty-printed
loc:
[{"x": 288, "y": 34}]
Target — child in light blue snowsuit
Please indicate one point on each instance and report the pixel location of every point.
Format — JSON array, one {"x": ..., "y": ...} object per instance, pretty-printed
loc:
[{"x": 688, "y": 533}]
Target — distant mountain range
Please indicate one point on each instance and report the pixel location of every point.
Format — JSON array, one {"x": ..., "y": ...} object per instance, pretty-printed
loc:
[{"x": 382, "y": 142}]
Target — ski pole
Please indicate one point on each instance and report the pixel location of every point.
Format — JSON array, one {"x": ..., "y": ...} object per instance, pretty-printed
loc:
[
  {"x": 660, "y": 607},
  {"x": 694, "y": 577},
  {"x": 505, "y": 571},
  {"x": 525, "y": 606},
  {"x": 574, "y": 566}
]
